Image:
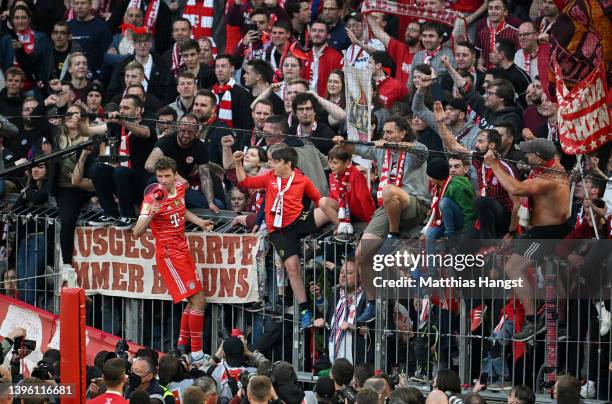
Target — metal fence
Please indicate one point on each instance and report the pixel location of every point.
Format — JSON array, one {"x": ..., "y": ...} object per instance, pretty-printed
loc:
[{"x": 413, "y": 333}]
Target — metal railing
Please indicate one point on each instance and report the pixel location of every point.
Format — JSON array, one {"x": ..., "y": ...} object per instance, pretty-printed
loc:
[{"x": 400, "y": 340}]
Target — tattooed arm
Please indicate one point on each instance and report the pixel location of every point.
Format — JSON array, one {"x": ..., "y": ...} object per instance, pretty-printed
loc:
[{"x": 207, "y": 186}]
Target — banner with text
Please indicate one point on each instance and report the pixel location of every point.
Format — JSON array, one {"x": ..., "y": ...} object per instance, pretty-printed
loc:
[
  {"x": 115, "y": 263},
  {"x": 583, "y": 116}
]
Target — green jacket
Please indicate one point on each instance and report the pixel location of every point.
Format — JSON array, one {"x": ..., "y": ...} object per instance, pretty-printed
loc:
[{"x": 460, "y": 190}]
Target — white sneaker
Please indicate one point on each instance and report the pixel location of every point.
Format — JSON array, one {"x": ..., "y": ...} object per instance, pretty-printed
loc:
[
  {"x": 69, "y": 276},
  {"x": 604, "y": 320},
  {"x": 588, "y": 390}
]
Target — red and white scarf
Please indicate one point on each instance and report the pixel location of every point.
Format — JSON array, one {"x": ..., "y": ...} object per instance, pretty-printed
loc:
[
  {"x": 177, "y": 63},
  {"x": 346, "y": 312},
  {"x": 150, "y": 18},
  {"x": 353, "y": 53},
  {"x": 493, "y": 31},
  {"x": 528, "y": 57},
  {"x": 344, "y": 210},
  {"x": 277, "y": 206},
  {"x": 27, "y": 39},
  {"x": 224, "y": 100},
  {"x": 524, "y": 212},
  {"x": 300, "y": 132},
  {"x": 435, "y": 219},
  {"x": 430, "y": 55},
  {"x": 385, "y": 173},
  {"x": 200, "y": 14},
  {"x": 124, "y": 147},
  {"x": 487, "y": 176}
]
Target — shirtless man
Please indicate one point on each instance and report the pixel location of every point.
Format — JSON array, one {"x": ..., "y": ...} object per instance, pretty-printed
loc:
[{"x": 544, "y": 210}]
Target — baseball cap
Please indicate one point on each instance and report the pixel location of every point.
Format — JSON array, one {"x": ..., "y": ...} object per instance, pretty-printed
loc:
[{"x": 542, "y": 148}]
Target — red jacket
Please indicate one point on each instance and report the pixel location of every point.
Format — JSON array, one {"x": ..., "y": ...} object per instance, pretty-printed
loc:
[
  {"x": 391, "y": 90},
  {"x": 292, "y": 202},
  {"x": 360, "y": 200},
  {"x": 330, "y": 60}
]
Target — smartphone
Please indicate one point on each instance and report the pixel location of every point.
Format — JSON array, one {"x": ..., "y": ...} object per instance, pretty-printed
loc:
[
  {"x": 21, "y": 343},
  {"x": 484, "y": 378},
  {"x": 250, "y": 27}
]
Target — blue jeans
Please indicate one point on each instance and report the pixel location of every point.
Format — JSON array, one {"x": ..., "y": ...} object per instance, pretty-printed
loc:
[
  {"x": 452, "y": 221},
  {"x": 30, "y": 263},
  {"x": 494, "y": 364}
]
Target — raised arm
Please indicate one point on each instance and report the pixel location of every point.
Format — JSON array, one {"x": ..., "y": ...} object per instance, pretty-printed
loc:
[
  {"x": 449, "y": 141},
  {"x": 228, "y": 160},
  {"x": 378, "y": 31},
  {"x": 336, "y": 113},
  {"x": 512, "y": 185},
  {"x": 418, "y": 103},
  {"x": 476, "y": 14},
  {"x": 457, "y": 78},
  {"x": 240, "y": 173}
]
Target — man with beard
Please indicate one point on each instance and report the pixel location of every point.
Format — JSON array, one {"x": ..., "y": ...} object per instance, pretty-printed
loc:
[
  {"x": 549, "y": 15},
  {"x": 456, "y": 118},
  {"x": 36, "y": 131},
  {"x": 401, "y": 53},
  {"x": 191, "y": 155},
  {"x": 532, "y": 115},
  {"x": 212, "y": 129},
  {"x": 544, "y": 207},
  {"x": 304, "y": 108},
  {"x": 322, "y": 58}
]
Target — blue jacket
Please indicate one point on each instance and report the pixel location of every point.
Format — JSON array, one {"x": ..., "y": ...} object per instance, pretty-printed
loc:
[{"x": 40, "y": 58}]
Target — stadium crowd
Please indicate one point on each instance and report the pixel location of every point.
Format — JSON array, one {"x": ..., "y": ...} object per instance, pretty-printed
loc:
[{"x": 249, "y": 99}]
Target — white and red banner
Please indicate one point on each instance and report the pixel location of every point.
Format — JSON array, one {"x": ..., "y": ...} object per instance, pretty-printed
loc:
[
  {"x": 416, "y": 11},
  {"x": 44, "y": 328},
  {"x": 114, "y": 263},
  {"x": 583, "y": 116}
]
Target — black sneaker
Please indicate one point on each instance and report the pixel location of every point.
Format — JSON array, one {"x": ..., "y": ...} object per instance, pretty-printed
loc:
[
  {"x": 530, "y": 330},
  {"x": 254, "y": 307},
  {"x": 103, "y": 221},
  {"x": 125, "y": 223},
  {"x": 343, "y": 237},
  {"x": 390, "y": 245}
]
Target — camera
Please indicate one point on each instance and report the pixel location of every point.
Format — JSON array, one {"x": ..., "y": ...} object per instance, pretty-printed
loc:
[
  {"x": 22, "y": 343},
  {"x": 121, "y": 349},
  {"x": 224, "y": 334},
  {"x": 346, "y": 393}
]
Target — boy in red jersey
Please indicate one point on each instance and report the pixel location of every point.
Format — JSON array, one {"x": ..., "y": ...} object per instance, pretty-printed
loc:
[
  {"x": 349, "y": 199},
  {"x": 286, "y": 219},
  {"x": 174, "y": 261}
]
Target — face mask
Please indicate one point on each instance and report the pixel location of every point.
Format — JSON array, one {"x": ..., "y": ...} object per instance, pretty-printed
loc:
[{"x": 134, "y": 380}]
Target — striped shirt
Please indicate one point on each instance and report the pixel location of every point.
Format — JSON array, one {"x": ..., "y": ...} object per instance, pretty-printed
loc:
[
  {"x": 483, "y": 37},
  {"x": 493, "y": 188}
]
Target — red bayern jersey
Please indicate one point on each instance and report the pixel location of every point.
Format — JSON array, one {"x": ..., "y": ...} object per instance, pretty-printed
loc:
[
  {"x": 391, "y": 90},
  {"x": 292, "y": 202},
  {"x": 108, "y": 398},
  {"x": 402, "y": 57},
  {"x": 168, "y": 225},
  {"x": 361, "y": 204}
]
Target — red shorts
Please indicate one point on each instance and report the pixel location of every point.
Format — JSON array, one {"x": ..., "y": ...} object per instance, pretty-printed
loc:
[{"x": 179, "y": 274}]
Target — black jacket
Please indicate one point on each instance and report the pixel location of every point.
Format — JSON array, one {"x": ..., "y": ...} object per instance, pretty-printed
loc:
[
  {"x": 11, "y": 106},
  {"x": 161, "y": 84},
  {"x": 241, "y": 108},
  {"x": 489, "y": 118}
]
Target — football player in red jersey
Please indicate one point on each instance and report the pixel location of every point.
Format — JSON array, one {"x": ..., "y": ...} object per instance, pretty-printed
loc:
[{"x": 167, "y": 217}]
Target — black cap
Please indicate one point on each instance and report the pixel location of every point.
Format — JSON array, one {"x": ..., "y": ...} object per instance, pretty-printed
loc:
[
  {"x": 438, "y": 169},
  {"x": 456, "y": 103},
  {"x": 95, "y": 86}
]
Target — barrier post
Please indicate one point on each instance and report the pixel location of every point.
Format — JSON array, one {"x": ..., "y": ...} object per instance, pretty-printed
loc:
[{"x": 72, "y": 343}]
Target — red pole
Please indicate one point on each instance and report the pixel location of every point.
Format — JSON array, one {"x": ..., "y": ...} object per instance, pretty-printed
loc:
[{"x": 72, "y": 344}]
